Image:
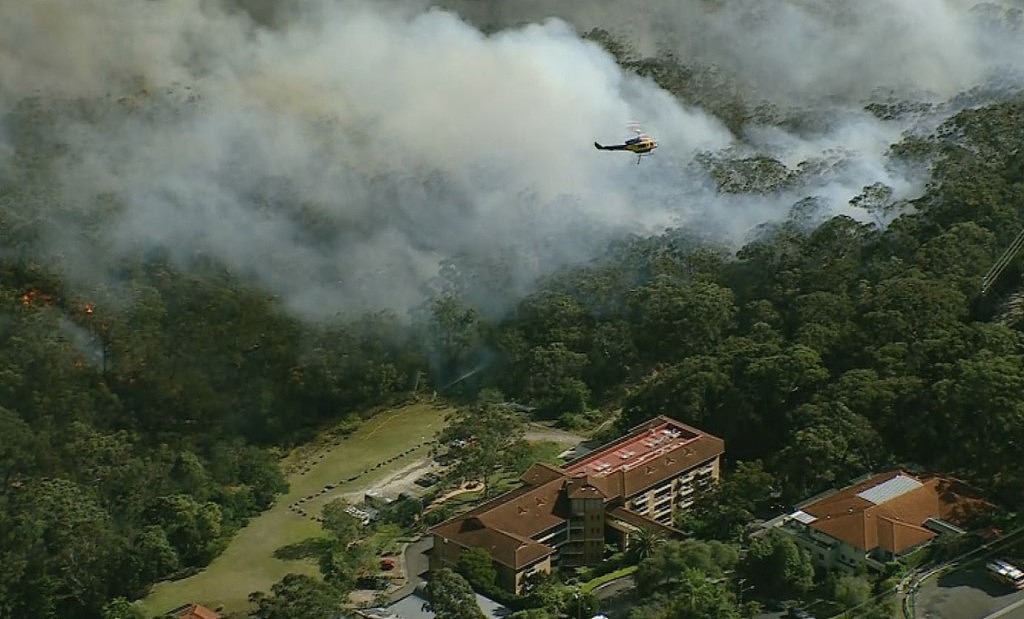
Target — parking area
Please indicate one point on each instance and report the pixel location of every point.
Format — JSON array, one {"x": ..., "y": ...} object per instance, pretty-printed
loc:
[{"x": 968, "y": 593}]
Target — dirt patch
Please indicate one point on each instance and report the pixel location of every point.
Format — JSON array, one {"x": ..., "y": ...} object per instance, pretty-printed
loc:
[
  {"x": 467, "y": 486},
  {"x": 395, "y": 483}
]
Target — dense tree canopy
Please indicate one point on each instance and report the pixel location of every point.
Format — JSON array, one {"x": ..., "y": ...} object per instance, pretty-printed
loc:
[
  {"x": 298, "y": 596},
  {"x": 451, "y": 596},
  {"x": 142, "y": 411},
  {"x": 778, "y": 567},
  {"x": 483, "y": 440}
]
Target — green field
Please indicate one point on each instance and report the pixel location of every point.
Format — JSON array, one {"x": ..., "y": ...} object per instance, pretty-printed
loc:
[{"x": 248, "y": 564}]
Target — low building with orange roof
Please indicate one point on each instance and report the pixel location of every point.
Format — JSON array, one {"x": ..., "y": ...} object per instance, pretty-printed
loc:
[
  {"x": 193, "y": 611},
  {"x": 880, "y": 518}
]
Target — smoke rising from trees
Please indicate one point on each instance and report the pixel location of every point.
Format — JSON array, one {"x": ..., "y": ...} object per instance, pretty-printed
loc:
[{"x": 352, "y": 156}]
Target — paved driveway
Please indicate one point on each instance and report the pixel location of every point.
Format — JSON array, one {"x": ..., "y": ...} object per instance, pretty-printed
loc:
[
  {"x": 614, "y": 588},
  {"x": 967, "y": 593},
  {"x": 415, "y": 563},
  {"x": 417, "y": 559}
]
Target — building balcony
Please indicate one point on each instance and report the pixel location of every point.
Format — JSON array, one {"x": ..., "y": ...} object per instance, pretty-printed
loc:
[{"x": 665, "y": 518}]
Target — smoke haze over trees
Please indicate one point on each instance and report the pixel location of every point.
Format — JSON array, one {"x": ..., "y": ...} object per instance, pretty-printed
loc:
[
  {"x": 224, "y": 225},
  {"x": 340, "y": 153}
]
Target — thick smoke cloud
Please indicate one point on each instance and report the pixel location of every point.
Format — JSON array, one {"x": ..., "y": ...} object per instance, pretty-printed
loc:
[
  {"x": 344, "y": 152},
  {"x": 800, "y": 51}
]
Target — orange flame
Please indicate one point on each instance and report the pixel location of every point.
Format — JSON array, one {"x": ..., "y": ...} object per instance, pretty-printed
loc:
[{"x": 33, "y": 295}]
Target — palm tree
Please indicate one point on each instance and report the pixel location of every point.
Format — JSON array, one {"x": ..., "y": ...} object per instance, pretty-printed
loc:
[{"x": 643, "y": 543}]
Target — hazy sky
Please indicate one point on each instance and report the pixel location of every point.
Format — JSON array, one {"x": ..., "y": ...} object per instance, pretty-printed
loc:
[{"x": 341, "y": 152}]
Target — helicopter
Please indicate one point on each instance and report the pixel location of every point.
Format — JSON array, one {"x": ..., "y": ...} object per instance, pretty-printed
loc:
[{"x": 641, "y": 145}]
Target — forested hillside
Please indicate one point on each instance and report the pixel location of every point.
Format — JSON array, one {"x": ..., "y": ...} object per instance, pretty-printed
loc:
[
  {"x": 826, "y": 351},
  {"x": 141, "y": 419},
  {"x": 147, "y": 392},
  {"x": 134, "y": 436},
  {"x": 135, "y": 431}
]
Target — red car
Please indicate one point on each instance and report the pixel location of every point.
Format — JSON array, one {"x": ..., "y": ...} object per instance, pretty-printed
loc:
[{"x": 387, "y": 564}]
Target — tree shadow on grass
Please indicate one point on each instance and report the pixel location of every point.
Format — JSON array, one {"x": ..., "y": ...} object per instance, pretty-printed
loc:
[{"x": 311, "y": 548}]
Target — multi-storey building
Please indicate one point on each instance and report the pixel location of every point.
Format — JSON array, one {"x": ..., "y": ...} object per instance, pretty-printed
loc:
[{"x": 564, "y": 516}]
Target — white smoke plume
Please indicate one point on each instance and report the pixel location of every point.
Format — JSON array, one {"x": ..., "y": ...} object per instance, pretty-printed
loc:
[
  {"x": 796, "y": 51},
  {"x": 344, "y": 152}
]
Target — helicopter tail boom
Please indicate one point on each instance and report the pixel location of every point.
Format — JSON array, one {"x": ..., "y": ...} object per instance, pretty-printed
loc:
[{"x": 615, "y": 147}]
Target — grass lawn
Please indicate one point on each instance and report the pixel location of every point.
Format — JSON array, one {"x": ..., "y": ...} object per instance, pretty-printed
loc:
[
  {"x": 590, "y": 585},
  {"x": 546, "y": 451},
  {"x": 248, "y": 563}
]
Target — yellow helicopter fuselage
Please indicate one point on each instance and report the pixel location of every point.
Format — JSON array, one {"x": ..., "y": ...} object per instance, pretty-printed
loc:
[{"x": 640, "y": 145}]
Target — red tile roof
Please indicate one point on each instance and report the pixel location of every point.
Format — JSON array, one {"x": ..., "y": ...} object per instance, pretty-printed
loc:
[
  {"x": 196, "y": 611},
  {"x": 659, "y": 449},
  {"x": 583, "y": 487},
  {"x": 541, "y": 473},
  {"x": 506, "y": 525},
  {"x": 641, "y": 521},
  {"x": 888, "y": 510},
  {"x": 505, "y": 547}
]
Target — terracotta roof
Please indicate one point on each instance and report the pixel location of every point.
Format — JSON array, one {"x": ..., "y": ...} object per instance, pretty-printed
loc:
[
  {"x": 583, "y": 487},
  {"x": 504, "y": 547},
  {"x": 641, "y": 521},
  {"x": 888, "y": 511},
  {"x": 541, "y": 473},
  {"x": 506, "y": 525},
  {"x": 196, "y": 611},
  {"x": 653, "y": 464}
]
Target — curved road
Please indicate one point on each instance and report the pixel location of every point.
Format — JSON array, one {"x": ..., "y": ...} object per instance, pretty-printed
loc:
[{"x": 415, "y": 563}]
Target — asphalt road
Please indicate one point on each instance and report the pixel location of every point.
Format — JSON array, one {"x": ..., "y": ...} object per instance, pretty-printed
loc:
[
  {"x": 1013, "y": 611},
  {"x": 415, "y": 563},
  {"x": 614, "y": 588},
  {"x": 968, "y": 593},
  {"x": 417, "y": 559}
]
